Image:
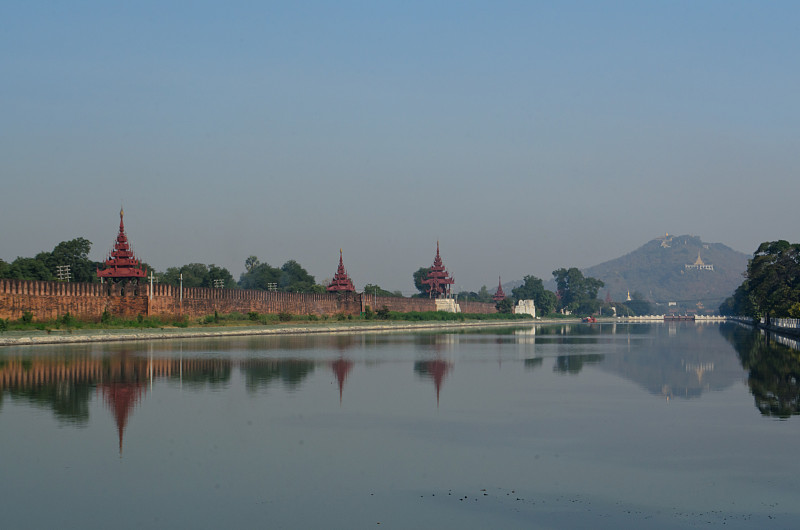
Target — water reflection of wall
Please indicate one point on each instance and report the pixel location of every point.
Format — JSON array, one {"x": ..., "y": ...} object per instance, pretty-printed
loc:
[
  {"x": 67, "y": 384},
  {"x": 261, "y": 373}
]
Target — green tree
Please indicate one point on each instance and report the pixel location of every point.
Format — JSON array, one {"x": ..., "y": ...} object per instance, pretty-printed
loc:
[
  {"x": 294, "y": 278},
  {"x": 638, "y": 305},
  {"x": 773, "y": 279},
  {"x": 260, "y": 277},
  {"x": 484, "y": 295},
  {"x": 577, "y": 293},
  {"x": 291, "y": 277},
  {"x": 29, "y": 269},
  {"x": 194, "y": 275},
  {"x": 44, "y": 266},
  {"x": 216, "y": 273},
  {"x": 740, "y": 304},
  {"x": 420, "y": 275},
  {"x": 505, "y": 306},
  {"x": 374, "y": 289},
  {"x": 74, "y": 253},
  {"x": 532, "y": 288},
  {"x": 250, "y": 263}
]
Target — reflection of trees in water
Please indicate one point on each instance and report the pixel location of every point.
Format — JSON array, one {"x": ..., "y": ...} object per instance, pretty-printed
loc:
[
  {"x": 773, "y": 370},
  {"x": 260, "y": 373},
  {"x": 531, "y": 364},
  {"x": 197, "y": 375},
  {"x": 68, "y": 400},
  {"x": 66, "y": 384},
  {"x": 573, "y": 364},
  {"x": 57, "y": 384}
]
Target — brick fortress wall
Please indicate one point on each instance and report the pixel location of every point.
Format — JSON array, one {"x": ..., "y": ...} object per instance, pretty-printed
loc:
[
  {"x": 201, "y": 301},
  {"x": 50, "y": 300},
  {"x": 88, "y": 301}
]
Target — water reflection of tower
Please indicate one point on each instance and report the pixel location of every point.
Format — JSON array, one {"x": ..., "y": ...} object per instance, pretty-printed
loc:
[
  {"x": 121, "y": 397},
  {"x": 123, "y": 385},
  {"x": 526, "y": 342},
  {"x": 436, "y": 369},
  {"x": 341, "y": 369}
]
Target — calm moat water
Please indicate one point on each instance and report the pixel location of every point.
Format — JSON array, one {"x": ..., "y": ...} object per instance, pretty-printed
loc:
[{"x": 601, "y": 426}]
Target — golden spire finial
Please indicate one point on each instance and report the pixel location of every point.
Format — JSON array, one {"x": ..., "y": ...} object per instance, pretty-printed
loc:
[{"x": 699, "y": 260}]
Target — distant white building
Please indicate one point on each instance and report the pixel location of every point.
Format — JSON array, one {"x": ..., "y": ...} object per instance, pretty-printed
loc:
[
  {"x": 448, "y": 305},
  {"x": 525, "y": 307},
  {"x": 698, "y": 265}
]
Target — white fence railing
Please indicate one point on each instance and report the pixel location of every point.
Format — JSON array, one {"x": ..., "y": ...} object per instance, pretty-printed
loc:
[{"x": 785, "y": 323}]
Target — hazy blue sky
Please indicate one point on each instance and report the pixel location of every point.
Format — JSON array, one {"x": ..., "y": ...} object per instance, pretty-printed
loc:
[{"x": 524, "y": 136}]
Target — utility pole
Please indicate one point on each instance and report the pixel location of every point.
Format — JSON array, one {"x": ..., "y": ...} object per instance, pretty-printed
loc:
[{"x": 62, "y": 271}]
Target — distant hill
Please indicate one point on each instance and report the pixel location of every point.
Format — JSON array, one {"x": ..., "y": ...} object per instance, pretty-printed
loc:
[{"x": 658, "y": 270}]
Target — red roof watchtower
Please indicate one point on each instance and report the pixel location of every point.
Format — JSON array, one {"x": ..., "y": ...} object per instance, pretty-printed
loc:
[
  {"x": 341, "y": 281},
  {"x": 438, "y": 280},
  {"x": 499, "y": 295},
  {"x": 122, "y": 263}
]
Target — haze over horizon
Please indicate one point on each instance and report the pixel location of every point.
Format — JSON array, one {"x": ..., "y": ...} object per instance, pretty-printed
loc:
[{"x": 523, "y": 136}]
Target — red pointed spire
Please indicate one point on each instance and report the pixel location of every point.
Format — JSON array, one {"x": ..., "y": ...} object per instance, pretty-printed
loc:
[
  {"x": 438, "y": 279},
  {"x": 341, "y": 281},
  {"x": 499, "y": 294},
  {"x": 122, "y": 263}
]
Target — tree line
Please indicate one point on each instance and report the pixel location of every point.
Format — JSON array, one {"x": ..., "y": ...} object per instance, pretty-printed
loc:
[
  {"x": 575, "y": 294},
  {"x": 771, "y": 288},
  {"x": 290, "y": 277}
]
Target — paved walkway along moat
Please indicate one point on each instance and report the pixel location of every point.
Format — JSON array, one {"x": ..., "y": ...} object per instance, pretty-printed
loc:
[{"x": 112, "y": 335}]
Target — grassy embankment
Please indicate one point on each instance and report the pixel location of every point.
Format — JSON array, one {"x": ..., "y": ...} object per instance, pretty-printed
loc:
[{"x": 107, "y": 321}]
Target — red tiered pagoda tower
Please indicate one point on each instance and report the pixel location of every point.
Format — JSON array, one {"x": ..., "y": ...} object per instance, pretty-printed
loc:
[
  {"x": 438, "y": 280},
  {"x": 122, "y": 263},
  {"x": 341, "y": 281},
  {"x": 499, "y": 295}
]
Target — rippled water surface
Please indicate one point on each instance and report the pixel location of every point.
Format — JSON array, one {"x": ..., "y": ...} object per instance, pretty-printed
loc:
[{"x": 601, "y": 426}]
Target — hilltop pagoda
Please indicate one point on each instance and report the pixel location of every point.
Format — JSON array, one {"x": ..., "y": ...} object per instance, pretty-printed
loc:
[
  {"x": 438, "y": 279},
  {"x": 699, "y": 265},
  {"x": 499, "y": 295},
  {"x": 341, "y": 281},
  {"x": 122, "y": 263}
]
